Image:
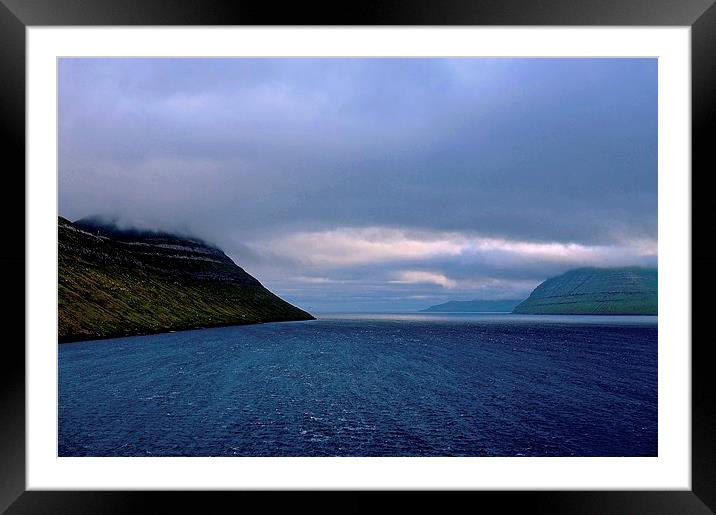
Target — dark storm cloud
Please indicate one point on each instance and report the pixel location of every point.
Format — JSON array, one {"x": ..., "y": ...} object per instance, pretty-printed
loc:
[{"x": 251, "y": 153}]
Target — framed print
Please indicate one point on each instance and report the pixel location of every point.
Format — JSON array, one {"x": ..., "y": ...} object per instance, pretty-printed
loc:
[{"x": 443, "y": 248}]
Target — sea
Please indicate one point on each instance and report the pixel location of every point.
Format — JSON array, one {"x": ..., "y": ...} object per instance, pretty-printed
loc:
[{"x": 402, "y": 384}]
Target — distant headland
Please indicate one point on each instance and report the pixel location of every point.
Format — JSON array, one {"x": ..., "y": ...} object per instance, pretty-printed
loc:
[
  {"x": 596, "y": 291},
  {"x": 474, "y": 306},
  {"x": 583, "y": 291}
]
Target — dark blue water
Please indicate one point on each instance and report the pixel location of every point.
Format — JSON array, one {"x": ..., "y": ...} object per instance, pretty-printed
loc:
[{"x": 368, "y": 385}]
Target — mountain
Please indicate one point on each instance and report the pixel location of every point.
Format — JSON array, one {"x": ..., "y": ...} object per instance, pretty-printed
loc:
[
  {"x": 596, "y": 291},
  {"x": 115, "y": 282},
  {"x": 473, "y": 306}
]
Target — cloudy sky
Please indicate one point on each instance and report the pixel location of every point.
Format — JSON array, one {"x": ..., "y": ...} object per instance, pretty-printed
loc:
[{"x": 373, "y": 184}]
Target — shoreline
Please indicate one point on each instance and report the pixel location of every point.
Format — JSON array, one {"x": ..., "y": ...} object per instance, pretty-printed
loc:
[{"x": 113, "y": 336}]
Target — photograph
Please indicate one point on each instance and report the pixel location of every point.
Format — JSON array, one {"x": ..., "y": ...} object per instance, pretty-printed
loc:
[{"x": 357, "y": 256}]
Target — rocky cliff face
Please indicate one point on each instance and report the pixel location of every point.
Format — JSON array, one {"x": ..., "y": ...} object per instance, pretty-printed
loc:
[
  {"x": 596, "y": 291},
  {"x": 116, "y": 283}
]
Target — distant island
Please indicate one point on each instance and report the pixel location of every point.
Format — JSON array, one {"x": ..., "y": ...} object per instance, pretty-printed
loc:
[
  {"x": 115, "y": 282},
  {"x": 596, "y": 291},
  {"x": 583, "y": 291},
  {"x": 473, "y": 306}
]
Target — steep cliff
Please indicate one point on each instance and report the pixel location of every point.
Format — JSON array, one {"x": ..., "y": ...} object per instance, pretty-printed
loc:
[{"x": 115, "y": 283}]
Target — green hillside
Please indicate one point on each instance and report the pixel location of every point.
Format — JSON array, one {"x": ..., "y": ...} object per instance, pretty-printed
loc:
[
  {"x": 117, "y": 283},
  {"x": 596, "y": 291}
]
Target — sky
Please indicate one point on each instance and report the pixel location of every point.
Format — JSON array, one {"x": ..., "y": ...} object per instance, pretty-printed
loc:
[{"x": 372, "y": 184}]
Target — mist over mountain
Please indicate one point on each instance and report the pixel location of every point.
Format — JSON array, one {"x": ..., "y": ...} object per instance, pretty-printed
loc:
[
  {"x": 367, "y": 184},
  {"x": 117, "y": 282}
]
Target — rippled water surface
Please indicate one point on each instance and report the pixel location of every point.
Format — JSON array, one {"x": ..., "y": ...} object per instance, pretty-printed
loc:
[{"x": 368, "y": 385}]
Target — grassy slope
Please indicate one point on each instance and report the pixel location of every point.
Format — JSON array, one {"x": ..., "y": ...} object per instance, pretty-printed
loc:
[
  {"x": 110, "y": 288},
  {"x": 595, "y": 291}
]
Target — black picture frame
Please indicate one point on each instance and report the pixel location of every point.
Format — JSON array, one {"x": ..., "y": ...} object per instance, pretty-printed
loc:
[{"x": 16, "y": 15}]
